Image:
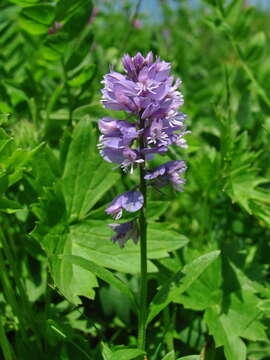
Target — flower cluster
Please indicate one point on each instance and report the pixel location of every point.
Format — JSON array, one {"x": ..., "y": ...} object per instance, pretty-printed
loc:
[{"x": 151, "y": 97}]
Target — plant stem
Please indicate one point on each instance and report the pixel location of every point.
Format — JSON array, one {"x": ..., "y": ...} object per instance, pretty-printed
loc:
[
  {"x": 7, "y": 350},
  {"x": 68, "y": 94},
  {"x": 143, "y": 255}
]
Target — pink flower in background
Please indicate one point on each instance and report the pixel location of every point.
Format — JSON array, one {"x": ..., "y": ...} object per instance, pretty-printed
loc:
[
  {"x": 93, "y": 15},
  {"x": 55, "y": 28},
  {"x": 137, "y": 24}
]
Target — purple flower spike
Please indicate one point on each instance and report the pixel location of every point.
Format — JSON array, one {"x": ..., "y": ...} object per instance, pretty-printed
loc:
[
  {"x": 125, "y": 231},
  {"x": 169, "y": 172},
  {"x": 149, "y": 92},
  {"x": 150, "y": 95},
  {"x": 131, "y": 201}
]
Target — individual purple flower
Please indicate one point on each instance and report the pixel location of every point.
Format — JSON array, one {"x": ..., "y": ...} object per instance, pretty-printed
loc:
[
  {"x": 124, "y": 232},
  {"x": 126, "y": 157},
  {"x": 117, "y": 134},
  {"x": 131, "y": 201},
  {"x": 168, "y": 172}
]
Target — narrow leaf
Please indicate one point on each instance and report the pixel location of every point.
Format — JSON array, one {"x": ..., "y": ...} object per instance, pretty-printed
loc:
[{"x": 180, "y": 282}]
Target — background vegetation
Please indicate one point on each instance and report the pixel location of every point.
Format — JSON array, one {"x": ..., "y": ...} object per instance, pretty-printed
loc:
[{"x": 64, "y": 286}]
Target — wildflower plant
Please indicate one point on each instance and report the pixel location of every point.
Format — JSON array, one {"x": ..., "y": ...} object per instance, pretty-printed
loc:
[{"x": 150, "y": 96}]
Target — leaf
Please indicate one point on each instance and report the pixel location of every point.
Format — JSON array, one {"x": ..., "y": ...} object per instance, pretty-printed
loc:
[
  {"x": 205, "y": 291},
  {"x": 86, "y": 176},
  {"x": 101, "y": 273},
  {"x": 32, "y": 26},
  {"x": 190, "y": 357},
  {"x": 17, "y": 163},
  {"x": 9, "y": 206},
  {"x": 53, "y": 234},
  {"x": 241, "y": 318},
  {"x": 6, "y": 147},
  {"x": 126, "y": 354},
  {"x": 37, "y": 19},
  {"x": 24, "y": 2},
  {"x": 256, "y": 47},
  {"x": 93, "y": 239},
  {"x": 16, "y": 95},
  {"x": 65, "y": 9},
  {"x": 243, "y": 178},
  {"x": 106, "y": 352},
  {"x": 169, "y": 356},
  {"x": 52, "y": 49},
  {"x": 180, "y": 282},
  {"x": 72, "y": 280},
  {"x": 264, "y": 305},
  {"x": 84, "y": 76},
  {"x": 234, "y": 347},
  {"x": 156, "y": 208},
  {"x": 41, "y": 13},
  {"x": 95, "y": 111}
]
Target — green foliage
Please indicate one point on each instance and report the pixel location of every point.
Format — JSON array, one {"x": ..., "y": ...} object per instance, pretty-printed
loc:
[
  {"x": 67, "y": 292},
  {"x": 179, "y": 283}
]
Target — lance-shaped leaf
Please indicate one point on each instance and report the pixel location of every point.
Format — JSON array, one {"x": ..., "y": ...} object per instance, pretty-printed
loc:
[{"x": 180, "y": 282}]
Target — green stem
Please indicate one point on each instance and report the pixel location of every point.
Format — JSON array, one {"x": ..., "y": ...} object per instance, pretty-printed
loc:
[
  {"x": 7, "y": 350},
  {"x": 68, "y": 94},
  {"x": 143, "y": 255}
]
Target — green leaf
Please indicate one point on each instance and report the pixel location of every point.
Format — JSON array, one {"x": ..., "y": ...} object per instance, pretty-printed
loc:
[
  {"x": 84, "y": 76},
  {"x": 126, "y": 354},
  {"x": 37, "y": 19},
  {"x": 101, "y": 273},
  {"x": 16, "y": 95},
  {"x": 93, "y": 239},
  {"x": 205, "y": 291},
  {"x": 86, "y": 176},
  {"x": 53, "y": 49},
  {"x": 9, "y": 206},
  {"x": 24, "y": 2},
  {"x": 72, "y": 280},
  {"x": 243, "y": 179},
  {"x": 190, "y": 357},
  {"x": 65, "y": 9},
  {"x": 234, "y": 347},
  {"x": 169, "y": 356},
  {"x": 94, "y": 111},
  {"x": 6, "y": 146},
  {"x": 156, "y": 208},
  {"x": 241, "y": 319},
  {"x": 32, "y": 26},
  {"x": 41, "y": 13},
  {"x": 106, "y": 352},
  {"x": 256, "y": 47},
  {"x": 180, "y": 282},
  {"x": 264, "y": 305}
]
